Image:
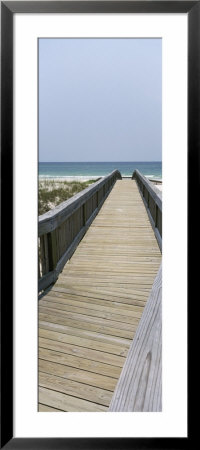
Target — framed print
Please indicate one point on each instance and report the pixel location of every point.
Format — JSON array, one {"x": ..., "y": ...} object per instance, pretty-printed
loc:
[{"x": 120, "y": 77}]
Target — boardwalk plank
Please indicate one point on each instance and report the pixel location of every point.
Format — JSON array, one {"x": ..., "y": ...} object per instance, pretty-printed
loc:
[
  {"x": 82, "y": 352},
  {"x": 79, "y": 363},
  {"x": 67, "y": 403},
  {"x": 79, "y": 375},
  {"x": 80, "y": 390},
  {"x": 101, "y": 337},
  {"x": 94, "y": 305},
  {"x": 120, "y": 350}
]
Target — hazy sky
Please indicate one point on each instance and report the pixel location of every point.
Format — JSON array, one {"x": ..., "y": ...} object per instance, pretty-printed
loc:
[{"x": 100, "y": 99}]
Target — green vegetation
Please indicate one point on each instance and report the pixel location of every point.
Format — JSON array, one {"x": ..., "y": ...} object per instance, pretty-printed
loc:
[{"x": 53, "y": 192}]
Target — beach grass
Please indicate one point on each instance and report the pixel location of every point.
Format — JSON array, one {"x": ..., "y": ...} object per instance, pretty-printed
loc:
[{"x": 53, "y": 192}]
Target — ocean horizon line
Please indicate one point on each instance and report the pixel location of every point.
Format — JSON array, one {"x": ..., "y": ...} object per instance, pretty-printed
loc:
[
  {"x": 97, "y": 169},
  {"x": 95, "y": 162}
]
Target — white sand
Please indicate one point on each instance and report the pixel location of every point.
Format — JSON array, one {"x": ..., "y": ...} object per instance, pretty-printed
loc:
[{"x": 71, "y": 178}]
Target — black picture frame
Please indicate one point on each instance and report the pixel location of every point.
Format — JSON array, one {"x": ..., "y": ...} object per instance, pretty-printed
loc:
[{"x": 8, "y": 9}]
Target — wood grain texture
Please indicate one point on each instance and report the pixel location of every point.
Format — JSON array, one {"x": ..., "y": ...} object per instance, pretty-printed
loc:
[
  {"x": 140, "y": 386},
  {"x": 88, "y": 319}
]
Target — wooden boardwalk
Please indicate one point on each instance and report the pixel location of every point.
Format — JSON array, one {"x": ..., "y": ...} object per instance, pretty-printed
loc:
[{"x": 88, "y": 319}]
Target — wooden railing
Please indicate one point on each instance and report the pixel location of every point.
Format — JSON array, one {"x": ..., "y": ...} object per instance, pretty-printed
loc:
[
  {"x": 139, "y": 388},
  {"x": 152, "y": 198},
  {"x": 61, "y": 229},
  {"x": 155, "y": 180}
]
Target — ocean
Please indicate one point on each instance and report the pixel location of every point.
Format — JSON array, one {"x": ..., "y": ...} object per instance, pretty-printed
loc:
[{"x": 85, "y": 170}]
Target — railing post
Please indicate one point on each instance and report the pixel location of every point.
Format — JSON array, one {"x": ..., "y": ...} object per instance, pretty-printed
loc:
[
  {"x": 148, "y": 199},
  {"x": 156, "y": 217},
  {"x": 51, "y": 239},
  {"x": 44, "y": 254},
  {"x": 84, "y": 214}
]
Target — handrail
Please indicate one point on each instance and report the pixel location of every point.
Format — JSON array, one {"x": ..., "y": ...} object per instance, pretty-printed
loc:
[
  {"x": 61, "y": 229},
  {"x": 139, "y": 388},
  {"x": 155, "y": 180},
  {"x": 152, "y": 198}
]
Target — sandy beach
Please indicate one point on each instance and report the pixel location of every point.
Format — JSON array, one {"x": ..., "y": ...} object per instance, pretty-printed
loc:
[
  {"x": 53, "y": 191},
  {"x": 69, "y": 178}
]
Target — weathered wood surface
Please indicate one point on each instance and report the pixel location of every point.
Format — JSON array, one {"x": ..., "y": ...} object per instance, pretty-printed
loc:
[
  {"x": 88, "y": 319},
  {"x": 155, "y": 180},
  {"x": 61, "y": 229},
  {"x": 140, "y": 385},
  {"x": 152, "y": 198}
]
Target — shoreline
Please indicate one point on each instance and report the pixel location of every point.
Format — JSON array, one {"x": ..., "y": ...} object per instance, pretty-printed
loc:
[
  {"x": 84, "y": 178},
  {"x": 70, "y": 178}
]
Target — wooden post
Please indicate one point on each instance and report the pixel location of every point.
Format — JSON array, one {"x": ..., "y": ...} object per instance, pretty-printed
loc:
[
  {"x": 156, "y": 217},
  {"x": 51, "y": 239},
  {"x": 148, "y": 199},
  {"x": 44, "y": 254},
  {"x": 39, "y": 274}
]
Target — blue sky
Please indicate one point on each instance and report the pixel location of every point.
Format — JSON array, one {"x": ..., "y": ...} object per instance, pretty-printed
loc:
[{"x": 100, "y": 100}]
